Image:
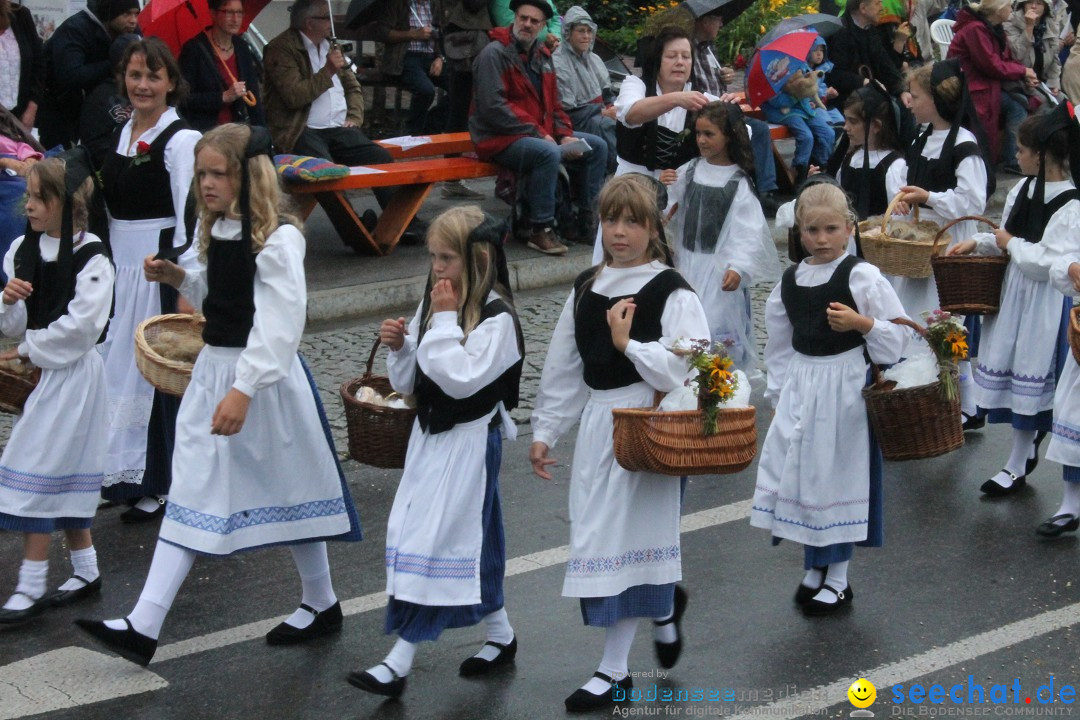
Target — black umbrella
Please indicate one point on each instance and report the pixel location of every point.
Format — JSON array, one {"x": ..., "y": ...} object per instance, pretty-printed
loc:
[
  {"x": 360, "y": 13},
  {"x": 729, "y": 9},
  {"x": 825, "y": 25}
]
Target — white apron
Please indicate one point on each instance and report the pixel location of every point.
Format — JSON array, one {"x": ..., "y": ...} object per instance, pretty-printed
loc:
[
  {"x": 435, "y": 530},
  {"x": 38, "y": 478},
  {"x": 276, "y": 481},
  {"x": 813, "y": 483},
  {"x": 1064, "y": 444},
  {"x": 624, "y": 526},
  {"x": 130, "y": 397}
]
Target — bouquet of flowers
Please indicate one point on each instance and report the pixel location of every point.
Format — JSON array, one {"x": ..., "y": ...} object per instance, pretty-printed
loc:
[
  {"x": 947, "y": 338},
  {"x": 715, "y": 382}
]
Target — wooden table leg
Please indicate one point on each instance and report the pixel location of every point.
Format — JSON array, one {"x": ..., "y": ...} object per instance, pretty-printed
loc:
[
  {"x": 398, "y": 213},
  {"x": 349, "y": 228}
]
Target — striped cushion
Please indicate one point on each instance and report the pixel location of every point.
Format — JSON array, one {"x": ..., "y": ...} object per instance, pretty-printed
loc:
[{"x": 301, "y": 168}]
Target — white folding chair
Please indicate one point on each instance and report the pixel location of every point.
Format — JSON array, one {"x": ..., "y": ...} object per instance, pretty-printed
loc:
[{"x": 941, "y": 32}]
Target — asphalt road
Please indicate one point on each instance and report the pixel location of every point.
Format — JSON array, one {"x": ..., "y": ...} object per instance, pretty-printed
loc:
[{"x": 963, "y": 594}]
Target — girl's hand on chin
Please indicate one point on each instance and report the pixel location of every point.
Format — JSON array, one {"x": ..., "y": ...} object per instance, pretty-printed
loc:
[{"x": 443, "y": 297}]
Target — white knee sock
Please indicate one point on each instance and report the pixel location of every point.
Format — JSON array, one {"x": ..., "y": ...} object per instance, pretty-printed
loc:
[
  {"x": 32, "y": 577},
  {"x": 400, "y": 660},
  {"x": 967, "y": 388},
  {"x": 836, "y": 578},
  {"x": 150, "y": 503},
  {"x": 499, "y": 630},
  {"x": 84, "y": 563},
  {"x": 168, "y": 569},
  {"x": 615, "y": 663},
  {"x": 1070, "y": 501},
  {"x": 813, "y": 577},
  {"x": 318, "y": 591},
  {"x": 1022, "y": 444}
]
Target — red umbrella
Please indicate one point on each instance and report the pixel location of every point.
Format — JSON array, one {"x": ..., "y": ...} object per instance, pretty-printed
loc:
[
  {"x": 775, "y": 62},
  {"x": 177, "y": 21}
]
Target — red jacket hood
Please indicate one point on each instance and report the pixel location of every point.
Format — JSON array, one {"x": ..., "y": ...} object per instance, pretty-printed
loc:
[{"x": 967, "y": 17}]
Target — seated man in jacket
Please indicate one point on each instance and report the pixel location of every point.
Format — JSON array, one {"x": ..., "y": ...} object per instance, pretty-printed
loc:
[
  {"x": 584, "y": 83},
  {"x": 518, "y": 122}
]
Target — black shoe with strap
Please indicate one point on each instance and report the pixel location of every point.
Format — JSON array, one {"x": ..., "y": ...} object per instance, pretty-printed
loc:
[
  {"x": 129, "y": 643},
  {"x": 581, "y": 700},
  {"x": 817, "y": 608},
  {"x": 369, "y": 683},
  {"x": 992, "y": 489},
  {"x": 62, "y": 598},
  {"x": 135, "y": 515},
  {"x": 1054, "y": 527},
  {"x": 16, "y": 617},
  {"x": 326, "y": 622},
  {"x": 667, "y": 654},
  {"x": 474, "y": 665}
]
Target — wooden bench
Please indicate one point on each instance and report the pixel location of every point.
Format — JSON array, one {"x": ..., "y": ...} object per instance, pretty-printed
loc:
[{"x": 413, "y": 179}]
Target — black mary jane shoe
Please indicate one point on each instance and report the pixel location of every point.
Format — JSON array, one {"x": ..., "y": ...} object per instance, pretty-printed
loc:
[
  {"x": 581, "y": 700},
  {"x": 816, "y": 608},
  {"x": 128, "y": 644},
  {"x": 972, "y": 422},
  {"x": 369, "y": 683},
  {"x": 62, "y": 598},
  {"x": 134, "y": 515},
  {"x": 473, "y": 666},
  {"x": 1033, "y": 462},
  {"x": 992, "y": 489},
  {"x": 17, "y": 617},
  {"x": 804, "y": 594},
  {"x": 667, "y": 654},
  {"x": 1052, "y": 528},
  {"x": 326, "y": 622}
]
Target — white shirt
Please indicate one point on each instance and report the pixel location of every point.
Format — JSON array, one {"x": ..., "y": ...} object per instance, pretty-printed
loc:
[{"x": 329, "y": 109}]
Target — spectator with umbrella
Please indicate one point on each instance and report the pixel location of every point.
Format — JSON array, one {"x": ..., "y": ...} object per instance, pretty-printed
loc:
[
  {"x": 222, "y": 71},
  {"x": 859, "y": 56}
]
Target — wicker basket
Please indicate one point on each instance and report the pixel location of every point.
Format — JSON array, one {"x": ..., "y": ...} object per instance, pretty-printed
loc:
[
  {"x": 672, "y": 443},
  {"x": 969, "y": 284},
  {"x": 896, "y": 256},
  {"x": 169, "y": 376},
  {"x": 378, "y": 435},
  {"x": 1074, "y": 332},
  {"x": 15, "y": 388},
  {"x": 912, "y": 423}
]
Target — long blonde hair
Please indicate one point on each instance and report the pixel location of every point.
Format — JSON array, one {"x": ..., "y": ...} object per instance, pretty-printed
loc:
[
  {"x": 452, "y": 229},
  {"x": 265, "y": 194}
]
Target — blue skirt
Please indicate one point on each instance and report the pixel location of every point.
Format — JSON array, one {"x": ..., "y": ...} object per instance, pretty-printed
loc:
[
  {"x": 42, "y": 525},
  {"x": 650, "y": 601},
  {"x": 417, "y": 623}
]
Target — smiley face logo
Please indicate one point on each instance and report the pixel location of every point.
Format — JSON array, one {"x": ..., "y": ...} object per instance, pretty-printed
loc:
[{"x": 862, "y": 693}]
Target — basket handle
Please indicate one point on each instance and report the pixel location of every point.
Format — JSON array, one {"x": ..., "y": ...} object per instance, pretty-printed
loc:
[
  {"x": 889, "y": 213},
  {"x": 371, "y": 357},
  {"x": 946, "y": 226}
]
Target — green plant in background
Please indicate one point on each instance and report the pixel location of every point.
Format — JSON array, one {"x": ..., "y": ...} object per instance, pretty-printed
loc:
[{"x": 622, "y": 22}]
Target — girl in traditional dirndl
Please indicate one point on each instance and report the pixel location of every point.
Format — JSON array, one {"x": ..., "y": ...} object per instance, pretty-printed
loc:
[
  {"x": 819, "y": 476},
  {"x": 59, "y": 296},
  {"x": 146, "y": 181},
  {"x": 869, "y": 150},
  {"x": 1064, "y": 446},
  {"x": 461, "y": 357},
  {"x": 254, "y": 464},
  {"x": 1023, "y": 348},
  {"x": 610, "y": 350},
  {"x": 947, "y": 177},
  {"x": 720, "y": 237}
]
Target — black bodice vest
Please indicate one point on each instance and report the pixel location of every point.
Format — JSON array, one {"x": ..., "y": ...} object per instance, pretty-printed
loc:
[
  {"x": 654, "y": 146},
  {"x": 229, "y": 306},
  {"x": 140, "y": 190},
  {"x": 1018, "y": 222},
  {"x": 937, "y": 174},
  {"x": 605, "y": 367},
  {"x": 806, "y": 306},
  {"x": 52, "y": 293},
  {"x": 867, "y": 186},
  {"x": 437, "y": 412}
]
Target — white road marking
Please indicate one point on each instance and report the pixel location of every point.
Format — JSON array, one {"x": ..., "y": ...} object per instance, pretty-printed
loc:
[
  {"x": 885, "y": 676},
  {"x": 67, "y": 678}
]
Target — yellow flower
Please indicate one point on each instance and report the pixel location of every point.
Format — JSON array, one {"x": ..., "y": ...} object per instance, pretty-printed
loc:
[
  {"x": 957, "y": 344},
  {"x": 761, "y": 29}
]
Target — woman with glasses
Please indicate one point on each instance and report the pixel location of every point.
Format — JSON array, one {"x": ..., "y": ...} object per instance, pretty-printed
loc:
[{"x": 223, "y": 72}]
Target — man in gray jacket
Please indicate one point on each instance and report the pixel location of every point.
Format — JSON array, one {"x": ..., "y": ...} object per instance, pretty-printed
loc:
[{"x": 584, "y": 83}]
